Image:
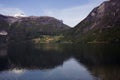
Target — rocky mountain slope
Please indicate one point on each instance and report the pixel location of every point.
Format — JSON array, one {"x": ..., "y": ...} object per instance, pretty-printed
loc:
[
  {"x": 101, "y": 25},
  {"x": 3, "y": 22},
  {"x": 29, "y": 27}
]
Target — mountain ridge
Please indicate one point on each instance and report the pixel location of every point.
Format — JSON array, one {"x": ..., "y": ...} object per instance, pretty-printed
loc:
[
  {"x": 19, "y": 28},
  {"x": 101, "y": 25}
]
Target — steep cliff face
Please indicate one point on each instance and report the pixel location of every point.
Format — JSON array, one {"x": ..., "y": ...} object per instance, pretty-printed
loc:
[{"x": 102, "y": 24}]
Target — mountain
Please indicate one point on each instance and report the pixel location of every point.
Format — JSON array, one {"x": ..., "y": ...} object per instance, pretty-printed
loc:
[
  {"x": 29, "y": 27},
  {"x": 101, "y": 25},
  {"x": 20, "y": 28},
  {"x": 43, "y": 24},
  {"x": 3, "y": 23}
]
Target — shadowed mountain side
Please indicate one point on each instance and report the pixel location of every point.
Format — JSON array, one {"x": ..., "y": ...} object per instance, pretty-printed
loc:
[{"x": 22, "y": 28}]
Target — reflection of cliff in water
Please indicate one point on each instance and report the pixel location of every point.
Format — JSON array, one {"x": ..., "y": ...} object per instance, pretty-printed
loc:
[
  {"x": 27, "y": 56},
  {"x": 3, "y": 51},
  {"x": 98, "y": 54},
  {"x": 103, "y": 61},
  {"x": 4, "y": 62},
  {"x": 105, "y": 72}
]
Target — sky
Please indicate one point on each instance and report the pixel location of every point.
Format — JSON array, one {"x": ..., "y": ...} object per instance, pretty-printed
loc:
[{"x": 70, "y": 11}]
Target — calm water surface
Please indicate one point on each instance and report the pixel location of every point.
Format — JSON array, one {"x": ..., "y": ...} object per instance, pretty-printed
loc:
[{"x": 26, "y": 61}]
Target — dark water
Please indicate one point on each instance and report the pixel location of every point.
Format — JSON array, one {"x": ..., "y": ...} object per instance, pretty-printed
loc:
[{"x": 26, "y": 61}]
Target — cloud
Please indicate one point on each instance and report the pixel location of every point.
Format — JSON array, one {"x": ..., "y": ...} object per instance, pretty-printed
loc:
[
  {"x": 72, "y": 16},
  {"x": 11, "y": 11}
]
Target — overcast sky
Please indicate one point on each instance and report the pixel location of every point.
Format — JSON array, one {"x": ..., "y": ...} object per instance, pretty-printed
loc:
[{"x": 70, "y": 11}]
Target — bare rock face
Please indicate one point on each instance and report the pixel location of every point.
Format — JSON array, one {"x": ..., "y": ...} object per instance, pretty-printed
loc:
[
  {"x": 102, "y": 24},
  {"x": 104, "y": 16}
]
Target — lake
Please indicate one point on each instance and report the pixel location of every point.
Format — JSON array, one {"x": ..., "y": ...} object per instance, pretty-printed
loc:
[{"x": 27, "y": 61}]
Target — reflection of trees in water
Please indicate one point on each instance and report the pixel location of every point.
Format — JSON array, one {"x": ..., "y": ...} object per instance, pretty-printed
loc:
[
  {"x": 28, "y": 56},
  {"x": 105, "y": 72},
  {"x": 4, "y": 62},
  {"x": 3, "y": 51},
  {"x": 98, "y": 54},
  {"x": 49, "y": 46},
  {"x": 101, "y": 60}
]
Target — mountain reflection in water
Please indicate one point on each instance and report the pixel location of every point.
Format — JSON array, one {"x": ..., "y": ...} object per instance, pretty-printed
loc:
[{"x": 26, "y": 61}]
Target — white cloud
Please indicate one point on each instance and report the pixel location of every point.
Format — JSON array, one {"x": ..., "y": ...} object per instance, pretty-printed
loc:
[
  {"x": 11, "y": 11},
  {"x": 72, "y": 16}
]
